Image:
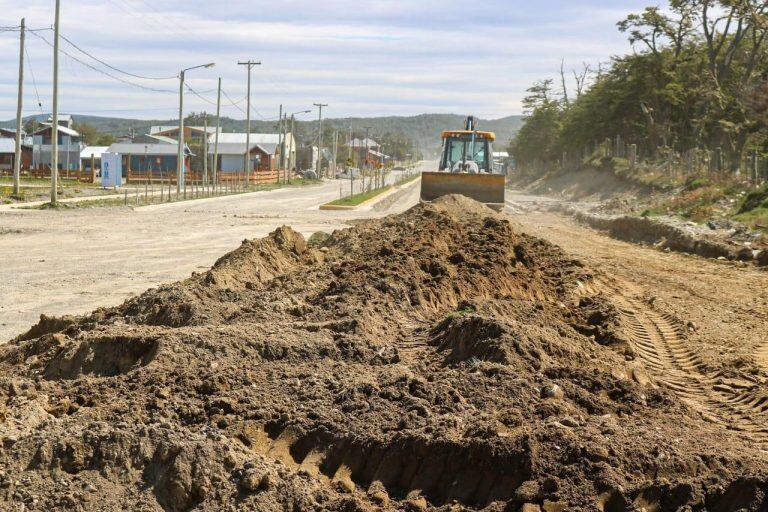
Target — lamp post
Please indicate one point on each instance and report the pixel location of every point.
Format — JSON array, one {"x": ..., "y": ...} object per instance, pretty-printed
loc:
[{"x": 180, "y": 170}]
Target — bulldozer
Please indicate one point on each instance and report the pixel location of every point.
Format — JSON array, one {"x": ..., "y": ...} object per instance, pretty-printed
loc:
[{"x": 466, "y": 168}]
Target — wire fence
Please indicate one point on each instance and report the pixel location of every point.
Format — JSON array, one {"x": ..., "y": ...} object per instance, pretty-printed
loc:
[{"x": 751, "y": 167}]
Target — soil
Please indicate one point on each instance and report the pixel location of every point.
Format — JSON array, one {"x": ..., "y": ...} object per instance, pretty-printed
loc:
[{"x": 440, "y": 358}]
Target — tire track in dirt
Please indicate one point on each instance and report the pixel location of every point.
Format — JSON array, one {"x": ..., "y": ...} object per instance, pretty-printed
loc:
[
  {"x": 442, "y": 474},
  {"x": 660, "y": 342}
]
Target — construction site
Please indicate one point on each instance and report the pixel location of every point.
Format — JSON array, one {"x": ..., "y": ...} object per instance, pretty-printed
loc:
[{"x": 558, "y": 304}]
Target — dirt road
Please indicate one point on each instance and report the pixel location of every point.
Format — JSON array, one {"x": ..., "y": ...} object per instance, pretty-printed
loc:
[
  {"x": 697, "y": 325},
  {"x": 73, "y": 261}
]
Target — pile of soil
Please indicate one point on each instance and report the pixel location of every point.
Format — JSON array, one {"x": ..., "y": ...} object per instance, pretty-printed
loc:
[{"x": 437, "y": 359}]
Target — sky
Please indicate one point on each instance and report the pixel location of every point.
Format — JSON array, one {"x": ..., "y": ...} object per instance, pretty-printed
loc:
[{"x": 362, "y": 58}]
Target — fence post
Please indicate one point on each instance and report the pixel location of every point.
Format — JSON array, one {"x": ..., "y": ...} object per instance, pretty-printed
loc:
[{"x": 632, "y": 156}]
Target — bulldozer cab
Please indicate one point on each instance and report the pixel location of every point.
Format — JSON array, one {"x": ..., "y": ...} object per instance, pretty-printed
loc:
[
  {"x": 466, "y": 168},
  {"x": 466, "y": 152}
]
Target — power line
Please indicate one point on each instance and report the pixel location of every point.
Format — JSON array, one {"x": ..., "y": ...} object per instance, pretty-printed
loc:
[
  {"x": 101, "y": 71},
  {"x": 34, "y": 82},
  {"x": 232, "y": 102},
  {"x": 113, "y": 67}
]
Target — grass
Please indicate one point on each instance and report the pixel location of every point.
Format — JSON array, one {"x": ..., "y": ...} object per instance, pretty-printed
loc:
[
  {"x": 358, "y": 199},
  {"x": 132, "y": 201},
  {"x": 5, "y": 181}
]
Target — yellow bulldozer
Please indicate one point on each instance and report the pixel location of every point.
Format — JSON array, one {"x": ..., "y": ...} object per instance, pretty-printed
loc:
[{"x": 466, "y": 168}]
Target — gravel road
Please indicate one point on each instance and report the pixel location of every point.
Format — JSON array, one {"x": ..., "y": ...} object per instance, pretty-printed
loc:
[{"x": 73, "y": 261}]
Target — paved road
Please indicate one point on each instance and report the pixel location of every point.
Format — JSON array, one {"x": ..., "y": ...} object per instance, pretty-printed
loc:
[{"x": 72, "y": 261}]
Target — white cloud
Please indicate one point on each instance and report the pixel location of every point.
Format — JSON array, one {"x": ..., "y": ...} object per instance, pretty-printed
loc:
[{"x": 362, "y": 57}]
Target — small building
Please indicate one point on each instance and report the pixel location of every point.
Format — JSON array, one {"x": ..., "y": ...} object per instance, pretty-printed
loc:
[
  {"x": 365, "y": 143},
  {"x": 193, "y": 135},
  {"x": 264, "y": 151},
  {"x": 148, "y": 138},
  {"x": 69, "y": 146},
  {"x": 159, "y": 160},
  {"x": 9, "y": 133},
  {"x": 8, "y": 155},
  {"x": 92, "y": 154}
]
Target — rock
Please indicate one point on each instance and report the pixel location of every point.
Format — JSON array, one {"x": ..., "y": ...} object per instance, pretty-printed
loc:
[
  {"x": 530, "y": 507},
  {"x": 552, "y": 391},
  {"x": 416, "y": 504},
  {"x": 762, "y": 258},
  {"x": 380, "y": 498},
  {"x": 345, "y": 485},
  {"x": 569, "y": 422},
  {"x": 554, "y": 506},
  {"x": 528, "y": 491},
  {"x": 251, "y": 480},
  {"x": 744, "y": 254}
]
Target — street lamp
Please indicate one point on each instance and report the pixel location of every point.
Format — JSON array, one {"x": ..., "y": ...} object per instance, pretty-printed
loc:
[{"x": 180, "y": 170}]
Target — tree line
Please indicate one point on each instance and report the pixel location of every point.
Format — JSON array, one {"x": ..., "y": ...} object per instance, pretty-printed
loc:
[{"x": 696, "y": 78}]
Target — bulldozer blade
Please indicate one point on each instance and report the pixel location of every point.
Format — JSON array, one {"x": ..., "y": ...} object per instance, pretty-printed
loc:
[{"x": 485, "y": 188}]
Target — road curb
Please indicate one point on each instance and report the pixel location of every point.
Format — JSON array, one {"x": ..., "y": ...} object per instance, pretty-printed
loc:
[{"x": 370, "y": 202}]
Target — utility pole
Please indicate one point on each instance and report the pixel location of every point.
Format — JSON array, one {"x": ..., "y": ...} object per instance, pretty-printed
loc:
[
  {"x": 180, "y": 167},
  {"x": 349, "y": 151},
  {"x": 319, "y": 136},
  {"x": 216, "y": 142},
  {"x": 55, "y": 113},
  {"x": 280, "y": 142},
  {"x": 205, "y": 149},
  {"x": 17, "y": 156},
  {"x": 180, "y": 150},
  {"x": 246, "y": 157},
  {"x": 335, "y": 149},
  {"x": 365, "y": 161}
]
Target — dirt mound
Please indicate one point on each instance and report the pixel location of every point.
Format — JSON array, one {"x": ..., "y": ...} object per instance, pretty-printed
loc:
[{"x": 437, "y": 359}]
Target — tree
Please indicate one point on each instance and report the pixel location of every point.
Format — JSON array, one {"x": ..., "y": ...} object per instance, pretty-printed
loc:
[{"x": 538, "y": 139}]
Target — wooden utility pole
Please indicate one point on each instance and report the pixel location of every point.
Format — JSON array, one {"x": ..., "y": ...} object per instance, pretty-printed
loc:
[
  {"x": 205, "y": 149},
  {"x": 246, "y": 157},
  {"x": 319, "y": 135},
  {"x": 17, "y": 156},
  {"x": 335, "y": 150},
  {"x": 280, "y": 142},
  {"x": 55, "y": 113},
  {"x": 216, "y": 142}
]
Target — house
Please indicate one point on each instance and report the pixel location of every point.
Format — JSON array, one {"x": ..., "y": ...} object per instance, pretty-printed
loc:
[
  {"x": 9, "y": 133},
  {"x": 365, "y": 143},
  {"x": 65, "y": 120},
  {"x": 153, "y": 139},
  {"x": 264, "y": 150},
  {"x": 193, "y": 135},
  {"x": 92, "y": 154},
  {"x": 69, "y": 145},
  {"x": 159, "y": 159},
  {"x": 8, "y": 155}
]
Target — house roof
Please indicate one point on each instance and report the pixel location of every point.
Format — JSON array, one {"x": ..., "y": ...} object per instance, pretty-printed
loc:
[
  {"x": 165, "y": 128},
  {"x": 151, "y": 139},
  {"x": 94, "y": 151},
  {"x": 358, "y": 143},
  {"x": 237, "y": 148},
  {"x": 62, "y": 129},
  {"x": 9, "y": 145},
  {"x": 129, "y": 148},
  {"x": 255, "y": 138}
]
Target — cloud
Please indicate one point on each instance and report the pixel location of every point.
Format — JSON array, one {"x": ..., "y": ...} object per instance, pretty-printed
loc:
[{"x": 393, "y": 57}]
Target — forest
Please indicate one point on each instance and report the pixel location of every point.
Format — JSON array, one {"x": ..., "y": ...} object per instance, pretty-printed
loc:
[{"x": 694, "y": 78}]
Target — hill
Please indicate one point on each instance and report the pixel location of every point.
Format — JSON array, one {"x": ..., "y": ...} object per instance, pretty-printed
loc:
[{"x": 423, "y": 129}]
